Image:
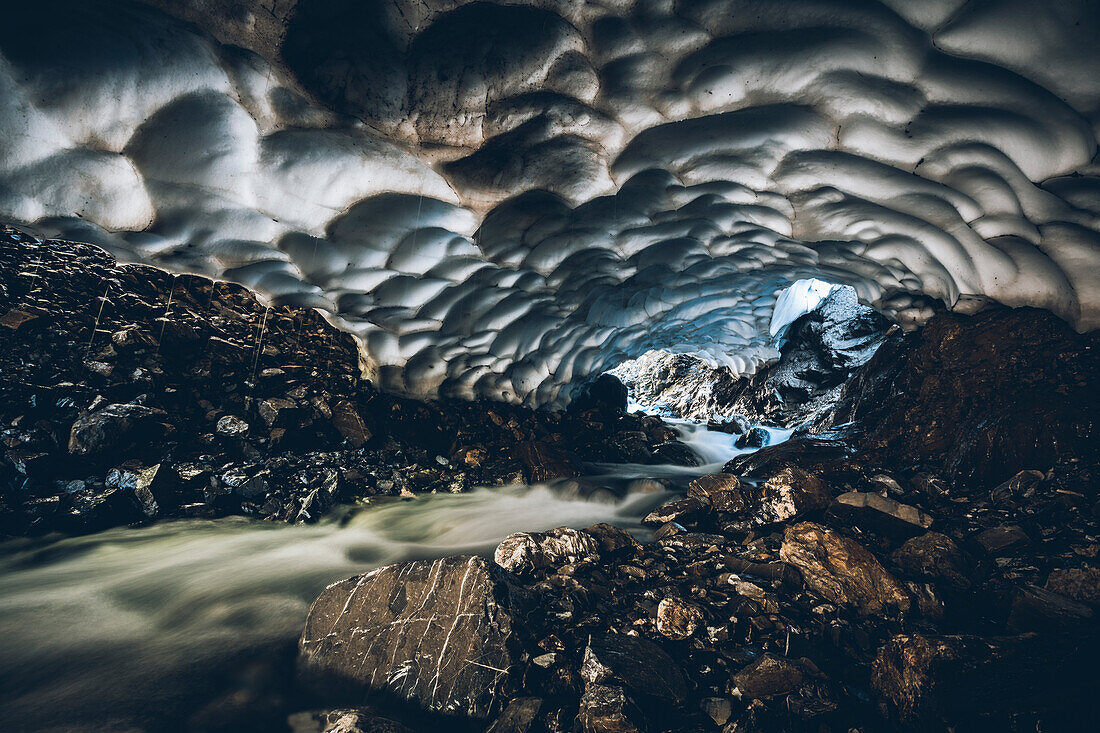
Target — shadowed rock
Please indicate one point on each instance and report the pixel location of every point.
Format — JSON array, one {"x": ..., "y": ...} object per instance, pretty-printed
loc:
[{"x": 433, "y": 633}]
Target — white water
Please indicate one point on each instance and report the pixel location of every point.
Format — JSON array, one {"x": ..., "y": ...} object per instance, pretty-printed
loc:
[{"x": 131, "y": 626}]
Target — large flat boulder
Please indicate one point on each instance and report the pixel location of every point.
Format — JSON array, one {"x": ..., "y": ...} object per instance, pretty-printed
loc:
[{"x": 433, "y": 633}]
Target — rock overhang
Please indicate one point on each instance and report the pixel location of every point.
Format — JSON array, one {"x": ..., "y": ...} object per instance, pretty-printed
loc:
[{"x": 534, "y": 192}]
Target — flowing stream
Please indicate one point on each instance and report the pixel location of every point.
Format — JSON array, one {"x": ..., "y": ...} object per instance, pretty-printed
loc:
[{"x": 140, "y": 628}]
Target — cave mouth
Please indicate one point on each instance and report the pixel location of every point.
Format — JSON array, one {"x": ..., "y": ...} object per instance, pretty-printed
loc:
[{"x": 821, "y": 334}]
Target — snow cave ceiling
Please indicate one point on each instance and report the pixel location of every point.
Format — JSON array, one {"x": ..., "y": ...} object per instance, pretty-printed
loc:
[{"x": 502, "y": 198}]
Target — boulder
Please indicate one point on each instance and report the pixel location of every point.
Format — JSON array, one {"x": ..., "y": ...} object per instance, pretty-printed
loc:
[
  {"x": 788, "y": 494},
  {"x": 607, "y": 709},
  {"x": 115, "y": 429},
  {"x": 677, "y": 620},
  {"x": 526, "y": 552},
  {"x": 1001, "y": 541},
  {"x": 880, "y": 514},
  {"x": 840, "y": 570},
  {"x": 767, "y": 676},
  {"x": 345, "y": 721},
  {"x": 231, "y": 426},
  {"x": 1080, "y": 584},
  {"x": 638, "y": 664},
  {"x": 436, "y": 634},
  {"x": 681, "y": 511},
  {"x": 755, "y": 438},
  {"x": 518, "y": 717},
  {"x": 348, "y": 422},
  {"x": 153, "y": 488},
  {"x": 934, "y": 556},
  {"x": 605, "y": 392},
  {"x": 1036, "y": 609}
]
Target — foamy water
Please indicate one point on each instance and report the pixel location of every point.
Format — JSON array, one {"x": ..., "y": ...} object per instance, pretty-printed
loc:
[{"x": 139, "y": 625}]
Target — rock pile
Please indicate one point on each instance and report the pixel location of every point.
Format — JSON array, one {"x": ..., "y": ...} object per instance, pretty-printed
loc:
[
  {"x": 128, "y": 394},
  {"x": 818, "y": 584}
]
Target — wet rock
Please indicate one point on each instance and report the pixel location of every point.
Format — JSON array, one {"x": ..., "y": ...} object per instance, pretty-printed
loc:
[
  {"x": 614, "y": 541},
  {"x": 433, "y": 633},
  {"x": 1080, "y": 584},
  {"x": 732, "y": 425},
  {"x": 94, "y": 509},
  {"x": 348, "y": 422},
  {"x": 926, "y": 679},
  {"x": 607, "y": 709},
  {"x": 231, "y": 426},
  {"x": 153, "y": 488},
  {"x": 518, "y": 717},
  {"x": 640, "y": 665},
  {"x": 881, "y": 514},
  {"x": 544, "y": 462},
  {"x": 682, "y": 511},
  {"x": 717, "y": 709},
  {"x": 754, "y": 438},
  {"x": 1036, "y": 609},
  {"x": 768, "y": 676},
  {"x": 115, "y": 429},
  {"x": 799, "y": 451},
  {"x": 934, "y": 556},
  {"x": 1022, "y": 484},
  {"x": 677, "y": 620},
  {"x": 17, "y": 319},
  {"x": 788, "y": 494},
  {"x": 605, "y": 392},
  {"x": 676, "y": 453},
  {"x": 1000, "y": 541},
  {"x": 526, "y": 552},
  {"x": 345, "y": 721},
  {"x": 840, "y": 570}
]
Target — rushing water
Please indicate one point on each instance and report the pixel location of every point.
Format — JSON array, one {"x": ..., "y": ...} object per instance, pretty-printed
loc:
[{"x": 144, "y": 626}]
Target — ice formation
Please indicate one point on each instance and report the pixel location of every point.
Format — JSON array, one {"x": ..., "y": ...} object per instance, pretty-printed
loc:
[{"x": 502, "y": 198}]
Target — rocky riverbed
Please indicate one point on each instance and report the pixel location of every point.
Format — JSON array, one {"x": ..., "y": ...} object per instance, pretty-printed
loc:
[
  {"x": 128, "y": 394},
  {"x": 931, "y": 565}
]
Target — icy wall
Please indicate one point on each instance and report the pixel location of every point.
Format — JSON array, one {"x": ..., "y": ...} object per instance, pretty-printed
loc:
[{"x": 501, "y": 198}]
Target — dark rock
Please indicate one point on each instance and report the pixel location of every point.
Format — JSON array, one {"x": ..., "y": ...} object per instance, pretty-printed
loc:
[
  {"x": 232, "y": 426},
  {"x": 605, "y": 392},
  {"x": 518, "y": 717},
  {"x": 348, "y": 422},
  {"x": 1036, "y": 609},
  {"x": 880, "y": 514},
  {"x": 755, "y": 438},
  {"x": 613, "y": 540},
  {"x": 1019, "y": 485},
  {"x": 544, "y": 462},
  {"x": 926, "y": 679},
  {"x": 676, "y": 453},
  {"x": 153, "y": 488},
  {"x": 732, "y": 425},
  {"x": 17, "y": 319},
  {"x": 607, "y": 709},
  {"x": 640, "y": 665},
  {"x": 526, "y": 552},
  {"x": 681, "y": 511},
  {"x": 840, "y": 570},
  {"x": 768, "y": 676},
  {"x": 345, "y": 721},
  {"x": 1080, "y": 584},
  {"x": 999, "y": 541},
  {"x": 677, "y": 620},
  {"x": 115, "y": 429},
  {"x": 433, "y": 633},
  {"x": 934, "y": 556},
  {"x": 800, "y": 451}
]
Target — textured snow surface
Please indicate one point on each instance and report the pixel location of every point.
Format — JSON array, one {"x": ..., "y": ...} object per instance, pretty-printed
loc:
[{"x": 502, "y": 198}]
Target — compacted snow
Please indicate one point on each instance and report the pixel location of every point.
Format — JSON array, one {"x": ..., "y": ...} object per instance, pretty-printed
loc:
[{"x": 510, "y": 197}]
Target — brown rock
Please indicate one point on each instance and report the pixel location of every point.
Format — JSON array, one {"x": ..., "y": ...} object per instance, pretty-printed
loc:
[
  {"x": 880, "y": 513},
  {"x": 677, "y": 620},
  {"x": 768, "y": 676},
  {"x": 1000, "y": 541},
  {"x": 682, "y": 511},
  {"x": 934, "y": 556},
  {"x": 433, "y": 633},
  {"x": 544, "y": 461},
  {"x": 517, "y": 717},
  {"x": 840, "y": 570},
  {"x": 526, "y": 552},
  {"x": 348, "y": 422},
  {"x": 1019, "y": 485},
  {"x": 1080, "y": 584},
  {"x": 1035, "y": 609},
  {"x": 16, "y": 319},
  {"x": 640, "y": 665},
  {"x": 607, "y": 709},
  {"x": 789, "y": 494}
]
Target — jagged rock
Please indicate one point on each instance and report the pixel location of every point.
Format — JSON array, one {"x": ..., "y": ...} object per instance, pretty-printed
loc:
[
  {"x": 926, "y": 679},
  {"x": 717, "y": 709},
  {"x": 605, "y": 392},
  {"x": 640, "y": 665},
  {"x": 935, "y": 556},
  {"x": 232, "y": 426},
  {"x": 518, "y": 717},
  {"x": 152, "y": 487},
  {"x": 731, "y": 425},
  {"x": 614, "y": 541},
  {"x": 881, "y": 514},
  {"x": 17, "y": 319},
  {"x": 677, "y": 620},
  {"x": 348, "y": 422},
  {"x": 681, "y": 511},
  {"x": 1036, "y": 609},
  {"x": 115, "y": 429},
  {"x": 800, "y": 452},
  {"x": 544, "y": 461},
  {"x": 676, "y": 453},
  {"x": 840, "y": 570},
  {"x": 788, "y": 494},
  {"x": 767, "y": 676},
  {"x": 607, "y": 709},
  {"x": 1080, "y": 584},
  {"x": 998, "y": 541},
  {"x": 345, "y": 721},
  {"x": 721, "y": 490},
  {"x": 526, "y": 552},
  {"x": 1021, "y": 484},
  {"x": 433, "y": 633},
  {"x": 754, "y": 438}
]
